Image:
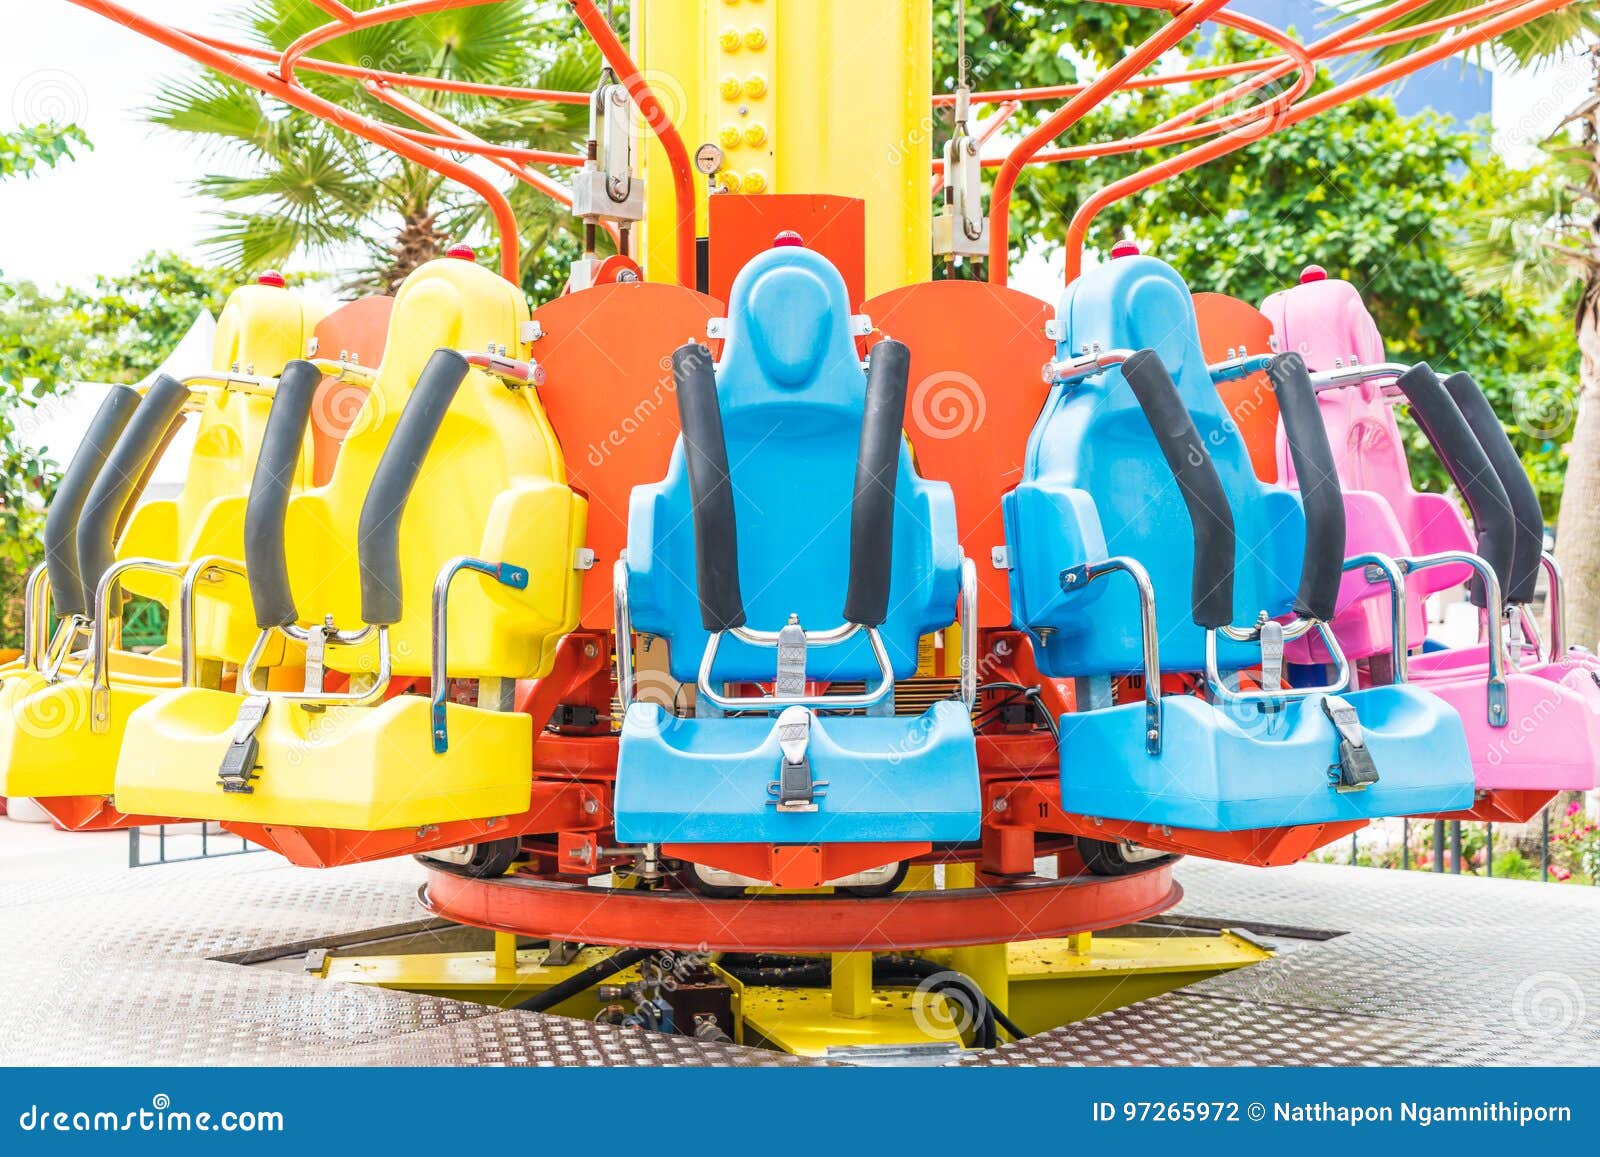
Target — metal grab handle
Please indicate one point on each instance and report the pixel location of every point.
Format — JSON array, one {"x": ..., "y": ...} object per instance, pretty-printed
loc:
[
  {"x": 1392, "y": 572},
  {"x": 1558, "y": 623},
  {"x": 819, "y": 639},
  {"x": 1499, "y": 713},
  {"x": 263, "y": 386},
  {"x": 211, "y": 568},
  {"x": 36, "y": 617},
  {"x": 1242, "y": 366},
  {"x": 363, "y": 698},
  {"x": 623, "y": 620},
  {"x": 1298, "y": 629},
  {"x": 1084, "y": 366},
  {"x": 1078, "y": 578},
  {"x": 506, "y": 574},
  {"x": 1356, "y": 375},
  {"x": 966, "y": 617},
  {"x": 100, "y": 634}
]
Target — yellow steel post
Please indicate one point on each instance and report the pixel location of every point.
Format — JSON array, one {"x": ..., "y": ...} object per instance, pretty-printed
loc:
[
  {"x": 802, "y": 96},
  {"x": 505, "y": 952},
  {"x": 852, "y": 984},
  {"x": 1080, "y": 943}
]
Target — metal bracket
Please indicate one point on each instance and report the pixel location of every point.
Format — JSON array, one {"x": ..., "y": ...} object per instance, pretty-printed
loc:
[
  {"x": 794, "y": 790},
  {"x": 504, "y": 573},
  {"x": 1355, "y": 769},
  {"x": 1000, "y": 557},
  {"x": 239, "y": 762}
]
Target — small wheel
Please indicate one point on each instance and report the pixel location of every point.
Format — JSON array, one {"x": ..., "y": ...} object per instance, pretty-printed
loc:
[
  {"x": 872, "y": 891},
  {"x": 1115, "y": 858},
  {"x": 492, "y": 859},
  {"x": 691, "y": 878}
]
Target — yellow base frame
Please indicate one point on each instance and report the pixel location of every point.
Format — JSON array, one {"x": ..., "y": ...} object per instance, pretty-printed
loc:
[
  {"x": 357, "y": 768},
  {"x": 1040, "y": 984}
]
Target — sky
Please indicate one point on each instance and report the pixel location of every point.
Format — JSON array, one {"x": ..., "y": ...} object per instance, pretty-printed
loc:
[{"x": 131, "y": 194}]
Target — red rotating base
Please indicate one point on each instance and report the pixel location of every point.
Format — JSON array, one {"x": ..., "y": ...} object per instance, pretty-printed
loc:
[{"x": 1033, "y": 910}]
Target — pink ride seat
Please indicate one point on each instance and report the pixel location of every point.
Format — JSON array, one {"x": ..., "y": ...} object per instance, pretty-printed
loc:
[{"x": 1548, "y": 737}]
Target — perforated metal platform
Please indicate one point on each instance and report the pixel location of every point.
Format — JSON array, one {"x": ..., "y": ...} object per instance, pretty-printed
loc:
[{"x": 109, "y": 966}]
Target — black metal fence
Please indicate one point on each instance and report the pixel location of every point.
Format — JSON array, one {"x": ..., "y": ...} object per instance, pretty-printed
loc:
[
  {"x": 180, "y": 843},
  {"x": 1560, "y": 844}
]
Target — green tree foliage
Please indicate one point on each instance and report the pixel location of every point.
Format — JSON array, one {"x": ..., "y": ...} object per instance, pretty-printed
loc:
[
  {"x": 1379, "y": 198},
  {"x": 118, "y": 329},
  {"x": 33, "y": 147},
  {"x": 288, "y": 185},
  {"x": 26, "y": 477}
]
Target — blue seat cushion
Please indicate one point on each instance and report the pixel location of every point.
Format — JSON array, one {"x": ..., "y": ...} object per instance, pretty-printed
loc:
[
  {"x": 1233, "y": 768},
  {"x": 890, "y": 778}
]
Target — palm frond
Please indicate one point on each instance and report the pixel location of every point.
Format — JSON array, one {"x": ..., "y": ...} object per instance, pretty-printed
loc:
[{"x": 1541, "y": 40}]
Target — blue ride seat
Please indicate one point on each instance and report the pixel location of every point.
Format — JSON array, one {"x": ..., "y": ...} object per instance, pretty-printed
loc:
[
  {"x": 1135, "y": 466},
  {"x": 790, "y": 493}
]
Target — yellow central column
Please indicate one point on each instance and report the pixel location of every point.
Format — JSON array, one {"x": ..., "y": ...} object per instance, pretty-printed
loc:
[{"x": 802, "y": 96}]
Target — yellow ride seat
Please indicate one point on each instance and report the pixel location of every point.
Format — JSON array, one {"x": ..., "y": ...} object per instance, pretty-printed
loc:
[
  {"x": 483, "y": 477},
  {"x": 56, "y": 740}
]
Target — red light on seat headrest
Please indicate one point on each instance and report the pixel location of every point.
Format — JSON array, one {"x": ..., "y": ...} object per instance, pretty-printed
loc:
[
  {"x": 461, "y": 253},
  {"x": 787, "y": 237},
  {"x": 1125, "y": 249},
  {"x": 1313, "y": 273},
  {"x": 271, "y": 277}
]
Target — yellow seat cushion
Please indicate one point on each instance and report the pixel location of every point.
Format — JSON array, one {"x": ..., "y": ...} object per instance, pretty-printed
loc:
[{"x": 357, "y": 768}]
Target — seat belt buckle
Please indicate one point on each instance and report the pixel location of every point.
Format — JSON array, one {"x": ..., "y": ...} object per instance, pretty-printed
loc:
[
  {"x": 791, "y": 677},
  {"x": 239, "y": 762},
  {"x": 1355, "y": 769},
  {"x": 1272, "y": 655},
  {"x": 794, "y": 790}
]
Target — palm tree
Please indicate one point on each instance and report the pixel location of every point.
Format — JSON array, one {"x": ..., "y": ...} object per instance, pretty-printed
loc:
[
  {"x": 290, "y": 185},
  {"x": 1544, "y": 237}
]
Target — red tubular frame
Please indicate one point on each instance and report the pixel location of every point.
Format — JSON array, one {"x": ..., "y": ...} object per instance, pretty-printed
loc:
[
  {"x": 1181, "y": 24},
  {"x": 422, "y": 147},
  {"x": 306, "y": 101},
  {"x": 428, "y": 145},
  {"x": 1078, "y": 229}
]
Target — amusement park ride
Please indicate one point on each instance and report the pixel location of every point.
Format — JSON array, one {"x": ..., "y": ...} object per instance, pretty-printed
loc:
[{"x": 668, "y": 631}]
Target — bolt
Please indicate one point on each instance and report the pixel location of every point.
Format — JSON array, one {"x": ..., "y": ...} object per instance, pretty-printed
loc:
[
  {"x": 590, "y": 650},
  {"x": 590, "y": 806},
  {"x": 1152, "y": 734},
  {"x": 1001, "y": 804}
]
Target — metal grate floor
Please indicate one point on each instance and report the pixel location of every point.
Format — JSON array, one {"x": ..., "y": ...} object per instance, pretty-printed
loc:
[{"x": 108, "y": 966}]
